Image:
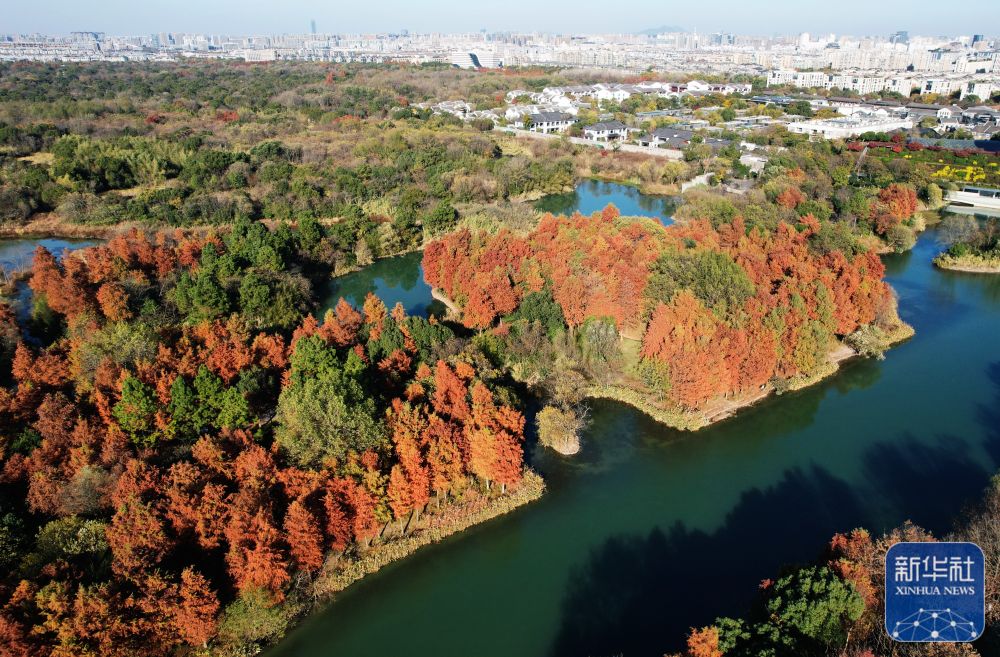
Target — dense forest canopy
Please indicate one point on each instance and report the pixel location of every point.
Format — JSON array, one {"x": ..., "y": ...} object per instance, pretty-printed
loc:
[
  {"x": 182, "y": 435},
  {"x": 717, "y": 309}
]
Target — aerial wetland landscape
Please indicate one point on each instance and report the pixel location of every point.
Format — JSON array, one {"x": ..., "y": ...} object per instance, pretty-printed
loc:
[{"x": 409, "y": 350}]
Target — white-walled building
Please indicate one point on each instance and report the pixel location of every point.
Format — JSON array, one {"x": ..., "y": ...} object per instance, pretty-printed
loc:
[
  {"x": 476, "y": 59},
  {"x": 869, "y": 83},
  {"x": 606, "y": 131},
  {"x": 862, "y": 84},
  {"x": 843, "y": 128},
  {"x": 984, "y": 90},
  {"x": 546, "y": 122}
]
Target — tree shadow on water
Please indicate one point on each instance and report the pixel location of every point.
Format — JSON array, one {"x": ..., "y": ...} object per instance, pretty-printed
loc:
[
  {"x": 925, "y": 483},
  {"x": 639, "y": 595},
  {"x": 988, "y": 415}
]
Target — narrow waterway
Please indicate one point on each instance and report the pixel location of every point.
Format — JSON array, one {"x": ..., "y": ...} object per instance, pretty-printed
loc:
[
  {"x": 649, "y": 531},
  {"x": 17, "y": 254},
  {"x": 592, "y": 196},
  {"x": 393, "y": 280}
]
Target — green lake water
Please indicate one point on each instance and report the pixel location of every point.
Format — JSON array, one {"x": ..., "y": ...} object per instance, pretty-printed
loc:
[
  {"x": 394, "y": 280},
  {"x": 650, "y": 531},
  {"x": 592, "y": 196}
]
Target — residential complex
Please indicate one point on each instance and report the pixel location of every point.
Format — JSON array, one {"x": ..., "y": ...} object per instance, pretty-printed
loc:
[{"x": 877, "y": 57}]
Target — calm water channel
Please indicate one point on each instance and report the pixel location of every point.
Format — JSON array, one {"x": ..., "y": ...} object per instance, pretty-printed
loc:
[{"x": 592, "y": 196}]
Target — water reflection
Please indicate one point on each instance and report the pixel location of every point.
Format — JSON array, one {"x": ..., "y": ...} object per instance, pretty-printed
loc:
[
  {"x": 16, "y": 254},
  {"x": 639, "y": 594},
  {"x": 394, "y": 280},
  {"x": 594, "y": 195}
]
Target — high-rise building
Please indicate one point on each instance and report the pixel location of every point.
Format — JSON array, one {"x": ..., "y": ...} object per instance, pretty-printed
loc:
[
  {"x": 312, "y": 26},
  {"x": 900, "y": 37}
]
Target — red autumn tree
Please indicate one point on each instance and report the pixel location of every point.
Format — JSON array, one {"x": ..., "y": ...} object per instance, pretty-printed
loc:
[
  {"x": 703, "y": 642},
  {"x": 900, "y": 201},
  {"x": 137, "y": 540},
  {"x": 494, "y": 435},
  {"x": 790, "y": 198},
  {"x": 682, "y": 335},
  {"x": 338, "y": 526},
  {"x": 449, "y": 393},
  {"x": 340, "y": 325},
  {"x": 375, "y": 314},
  {"x": 195, "y": 615},
  {"x": 114, "y": 302},
  {"x": 305, "y": 539},
  {"x": 256, "y": 559}
]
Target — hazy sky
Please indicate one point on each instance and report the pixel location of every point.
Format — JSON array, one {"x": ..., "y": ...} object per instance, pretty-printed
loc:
[{"x": 285, "y": 16}]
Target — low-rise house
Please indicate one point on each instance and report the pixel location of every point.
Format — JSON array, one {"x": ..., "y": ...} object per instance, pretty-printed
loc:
[
  {"x": 753, "y": 162},
  {"x": 747, "y": 122},
  {"x": 616, "y": 92},
  {"x": 659, "y": 114},
  {"x": 673, "y": 138},
  {"x": 980, "y": 114},
  {"x": 546, "y": 122},
  {"x": 458, "y": 108},
  {"x": 774, "y": 99},
  {"x": 940, "y": 112},
  {"x": 985, "y": 131},
  {"x": 606, "y": 131},
  {"x": 692, "y": 124}
]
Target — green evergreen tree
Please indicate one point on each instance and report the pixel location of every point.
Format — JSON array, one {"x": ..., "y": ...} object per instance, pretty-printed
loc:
[
  {"x": 234, "y": 412},
  {"x": 208, "y": 388},
  {"x": 135, "y": 410},
  {"x": 183, "y": 410}
]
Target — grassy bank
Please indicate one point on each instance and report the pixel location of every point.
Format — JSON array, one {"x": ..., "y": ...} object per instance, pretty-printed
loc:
[
  {"x": 52, "y": 225},
  {"x": 976, "y": 263},
  {"x": 341, "y": 573},
  {"x": 724, "y": 407},
  {"x": 252, "y": 624}
]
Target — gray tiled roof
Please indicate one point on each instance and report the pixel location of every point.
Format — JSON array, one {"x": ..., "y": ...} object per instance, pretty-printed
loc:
[
  {"x": 606, "y": 125},
  {"x": 551, "y": 117}
]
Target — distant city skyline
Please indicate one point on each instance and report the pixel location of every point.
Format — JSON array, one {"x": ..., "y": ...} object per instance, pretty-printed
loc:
[{"x": 854, "y": 17}]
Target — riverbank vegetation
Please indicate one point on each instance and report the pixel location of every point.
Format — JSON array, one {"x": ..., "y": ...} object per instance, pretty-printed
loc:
[
  {"x": 835, "y": 606},
  {"x": 184, "y": 449},
  {"x": 946, "y": 166},
  {"x": 974, "y": 245}
]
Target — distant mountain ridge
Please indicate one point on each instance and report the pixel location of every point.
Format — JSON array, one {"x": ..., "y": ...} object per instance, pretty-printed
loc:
[{"x": 653, "y": 31}]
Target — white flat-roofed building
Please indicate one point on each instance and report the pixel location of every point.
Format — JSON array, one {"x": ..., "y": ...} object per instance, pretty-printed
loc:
[
  {"x": 846, "y": 127},
  {"x": 463, "y": 60},
  {"x": 262, "y": 55},
  {"x": 982, "y": 90}
]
